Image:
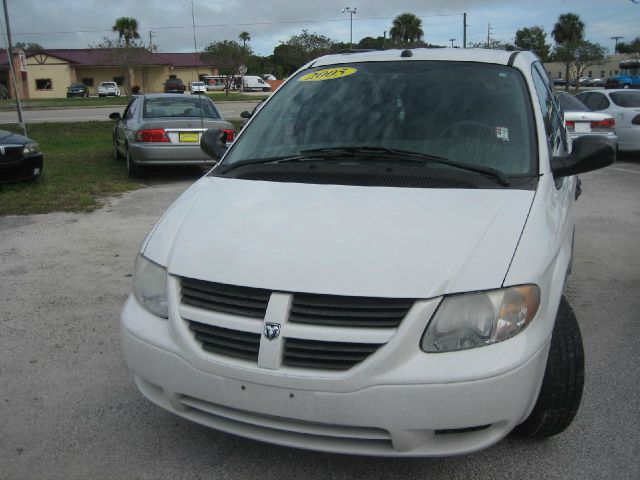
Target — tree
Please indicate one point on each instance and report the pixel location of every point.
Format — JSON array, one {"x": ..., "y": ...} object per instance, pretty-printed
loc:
[
  {"x": 629, "y": 47},
  {"x": 226, "y": 56},
  {"x": 406, "y": 29},
  {"x": 370, "y": 42},
  {"x": 127, "y": 28},
  {"x": 245, "y": 37},
  {"x": 534, "y": 39},
  {"x": 302, "y": 48},
  {"x": 568, "y": 30},
  {"x": 124, "y": 56},
  {"x": 29, "y": 47},
  {"x": 580, "y": 55},
  {"x": 493, "y": 44}
]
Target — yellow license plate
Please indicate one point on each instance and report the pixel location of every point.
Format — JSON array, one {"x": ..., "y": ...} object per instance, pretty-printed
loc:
[{"x": 186, "y": 137}]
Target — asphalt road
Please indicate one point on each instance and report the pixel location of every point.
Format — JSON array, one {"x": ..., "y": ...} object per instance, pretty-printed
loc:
[
  {"x": 69, "y": 408},
  {"x": 228, "y": 110}
]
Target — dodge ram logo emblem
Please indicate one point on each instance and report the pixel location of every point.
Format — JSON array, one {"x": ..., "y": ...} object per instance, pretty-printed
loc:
[{"x": 271, "y": 330}]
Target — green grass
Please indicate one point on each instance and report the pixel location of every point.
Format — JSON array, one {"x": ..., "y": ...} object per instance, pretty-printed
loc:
[
  {"x": 78, "y": 102},
  {"x": 79, "y": 170},
  {"x": 64, "y": 102}
]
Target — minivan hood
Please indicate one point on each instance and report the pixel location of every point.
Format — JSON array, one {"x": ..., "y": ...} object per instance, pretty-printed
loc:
[{"x": 342, "y": 240}]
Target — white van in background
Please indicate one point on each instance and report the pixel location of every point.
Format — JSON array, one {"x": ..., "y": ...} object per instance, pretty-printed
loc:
[{"x": 254, "y": 82}]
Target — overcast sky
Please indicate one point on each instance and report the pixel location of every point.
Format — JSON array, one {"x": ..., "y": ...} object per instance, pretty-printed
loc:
[{"x": 79, "y": 23}]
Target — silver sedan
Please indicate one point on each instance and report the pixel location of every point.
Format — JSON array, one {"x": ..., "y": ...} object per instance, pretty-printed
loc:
[{"x": 165, "y": 129}]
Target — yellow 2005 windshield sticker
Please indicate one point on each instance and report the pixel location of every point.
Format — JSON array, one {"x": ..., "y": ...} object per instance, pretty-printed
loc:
[{"x": 328, "y": 74}]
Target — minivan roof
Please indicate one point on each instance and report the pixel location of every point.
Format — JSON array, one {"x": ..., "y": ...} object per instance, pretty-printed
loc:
[{"x": 444, "y": 54}]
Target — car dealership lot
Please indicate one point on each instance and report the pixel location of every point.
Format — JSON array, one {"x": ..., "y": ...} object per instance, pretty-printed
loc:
[{"x": 70, "y": 408}]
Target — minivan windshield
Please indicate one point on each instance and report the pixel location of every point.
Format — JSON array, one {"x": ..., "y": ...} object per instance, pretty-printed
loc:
[{"x": 468, "y": 113}]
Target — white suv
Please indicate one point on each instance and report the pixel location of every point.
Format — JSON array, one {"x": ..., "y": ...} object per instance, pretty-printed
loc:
[
  {"x": 376, "y": 265},
  {"x": 106, "y": 89}
]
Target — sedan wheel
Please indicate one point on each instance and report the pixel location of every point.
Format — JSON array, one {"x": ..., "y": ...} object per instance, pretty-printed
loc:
[{"x": 133, "y": 170}]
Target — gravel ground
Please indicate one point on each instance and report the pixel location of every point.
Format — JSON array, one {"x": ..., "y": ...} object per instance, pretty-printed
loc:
[{"x": 69, "y": 408}]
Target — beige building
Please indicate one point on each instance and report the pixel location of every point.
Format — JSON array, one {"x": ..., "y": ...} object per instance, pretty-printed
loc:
[
  {"x": 48, "y": 73},
  {"x": 604, "y": 70}
]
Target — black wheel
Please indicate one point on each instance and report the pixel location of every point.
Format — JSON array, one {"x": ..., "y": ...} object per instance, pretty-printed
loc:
[
  {"x": 627, "y": 85},
  {"x": 561, "y": 390},
  {"x": 133, "y": 170},
  {"x": 265, "y": 89}
]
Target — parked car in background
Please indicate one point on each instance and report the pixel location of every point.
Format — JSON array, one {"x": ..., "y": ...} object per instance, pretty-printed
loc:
[
  {"x": 598, "y": 82},
  {"x": 391, "y": 284},
  {"x": 198, "y": 87},
  {"x": 107, "y": 89},
  {"x": 77, "y": 90},
  {"x": 560, "y": 82},
  {"x": 165, "y": 129},
  {"x": 174, "y": 85},
  {"x": 579, "y": 120},
  {"x": 20, "y": 158},
  {"x": 268, "y": 76},
  {"x": 624, "y": 106},
  {"x": 251, "y": 83}
]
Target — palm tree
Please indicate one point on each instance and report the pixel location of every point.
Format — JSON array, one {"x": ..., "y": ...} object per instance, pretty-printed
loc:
[
  {"x": 127, "y": 28},
  {"x": 245, "y": 37},
  {"x": 567, "y": 30},
  {"x": 407, "y": 28}
]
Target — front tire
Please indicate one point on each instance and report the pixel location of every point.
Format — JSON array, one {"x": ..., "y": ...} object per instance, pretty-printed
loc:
[{"x": 563, "y": 381}]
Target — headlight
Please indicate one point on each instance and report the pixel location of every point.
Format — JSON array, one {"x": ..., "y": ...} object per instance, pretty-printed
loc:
[
  {"x": 30, "y": 148},
  {"x": 150, "y": 286},
  {"x": 478, "y": 319}
]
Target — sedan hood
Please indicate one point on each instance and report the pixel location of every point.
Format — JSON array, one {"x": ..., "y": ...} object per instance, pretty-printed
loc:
[{"x": 342, "y": 240}]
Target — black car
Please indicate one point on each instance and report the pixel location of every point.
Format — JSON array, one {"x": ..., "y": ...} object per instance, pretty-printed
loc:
[
  {"x": 174, "y": 85},
  {"x": 77, "y": 90},
  {"x": 20, "y": 158}
]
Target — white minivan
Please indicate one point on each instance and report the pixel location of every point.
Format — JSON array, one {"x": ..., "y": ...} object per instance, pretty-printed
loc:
[{"x": 376, "y": 266}]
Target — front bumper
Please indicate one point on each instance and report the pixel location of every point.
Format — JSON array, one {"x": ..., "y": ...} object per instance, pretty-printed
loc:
[
  {"x": 28, "y": 168},
  {"x": 398, "y": 402}
]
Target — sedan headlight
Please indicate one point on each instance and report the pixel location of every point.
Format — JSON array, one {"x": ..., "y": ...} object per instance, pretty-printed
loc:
[
  {"x": 150, "y": 286},
  {"x": 30, "y": 148},
  {"x": 478, "y": 319}
]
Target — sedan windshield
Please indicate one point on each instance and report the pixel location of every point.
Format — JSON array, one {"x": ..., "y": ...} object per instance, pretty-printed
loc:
[
  {"x": 472, "y": 114},
  {"x": 179, "y": 107}
]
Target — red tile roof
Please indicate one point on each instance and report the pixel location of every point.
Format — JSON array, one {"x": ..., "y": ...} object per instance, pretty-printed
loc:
[{"x": 98, "y": 57}]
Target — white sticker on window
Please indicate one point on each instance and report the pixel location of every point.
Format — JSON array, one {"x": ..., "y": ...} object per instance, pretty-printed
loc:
[{"x": 502, "y": 133}]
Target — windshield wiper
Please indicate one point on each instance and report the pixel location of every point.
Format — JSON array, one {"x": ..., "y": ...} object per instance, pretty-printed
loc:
[
  {"x": 339, "y": 153},
  {"x": 408, "y": 155}
]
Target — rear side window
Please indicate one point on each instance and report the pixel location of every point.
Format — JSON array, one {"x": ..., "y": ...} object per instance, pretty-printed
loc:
[
  {"x": 626, "y": 99},
  {"x": 597, "y": 101}
]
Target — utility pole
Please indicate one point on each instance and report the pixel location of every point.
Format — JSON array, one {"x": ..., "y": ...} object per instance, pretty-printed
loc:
[
  {"x": 351, "y": 12},
  {"x": 384, "y": 39},
  {"x": 151, "y": 35},
  {"x": 13, "y": 72},
  {"x": 615, "y": 49},
  {"x": 488, "y": 34},
  {"x": 452, "y": 40},
  {"x": 464, "y": 30}
]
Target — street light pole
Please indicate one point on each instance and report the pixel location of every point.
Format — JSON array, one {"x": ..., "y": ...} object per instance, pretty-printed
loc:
[
  {"x": 452, "y": 40},
  {"x": 351, "y": 12},
  {"x": 13, "y": 72}
]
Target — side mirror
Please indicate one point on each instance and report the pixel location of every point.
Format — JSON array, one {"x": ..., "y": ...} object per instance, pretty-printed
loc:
[
  {"x": 115, "y": 116},
  {"x": 589, "y": 153},
  {"x": 214, "y": 143},
  {"x": 245, "y": 114}
]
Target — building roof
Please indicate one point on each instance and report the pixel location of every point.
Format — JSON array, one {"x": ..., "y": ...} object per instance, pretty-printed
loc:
[{"x": 104, "y": 57}]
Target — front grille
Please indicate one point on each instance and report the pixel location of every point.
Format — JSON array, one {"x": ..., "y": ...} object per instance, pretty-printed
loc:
[
  {"x": 223, "y": 341},
  {"x": 349, "y": 311},
  {"x": 244, "y": 301},
  {"x": 11, "y": 153},
  {"x": 325, "y": 355}
]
